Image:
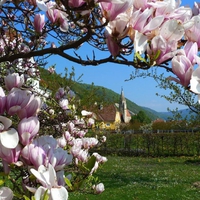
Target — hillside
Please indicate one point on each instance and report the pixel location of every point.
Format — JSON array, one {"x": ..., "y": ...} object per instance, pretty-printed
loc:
[{"x": 91, "y": 93}]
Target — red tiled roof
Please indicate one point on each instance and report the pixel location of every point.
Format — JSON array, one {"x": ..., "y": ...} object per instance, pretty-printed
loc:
[
  {"x": 128, "y": 113},
  {"x": 107, "y": 113}
]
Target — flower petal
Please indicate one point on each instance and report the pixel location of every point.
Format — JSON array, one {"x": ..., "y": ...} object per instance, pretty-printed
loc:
[
  {"x": 59, "y": 193},
  {"x": 6, "y": 122},
  {"x": 9, "y": 138},
  {"x": 41, "y": 5},
  {"x": 6, "y": 193},
  {"x": 39, "y": 193}
]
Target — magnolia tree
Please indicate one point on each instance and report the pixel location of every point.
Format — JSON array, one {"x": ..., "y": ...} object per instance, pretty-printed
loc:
[
  {"x": 44, "y": 150},
  {"x": 143, "y": 34}
]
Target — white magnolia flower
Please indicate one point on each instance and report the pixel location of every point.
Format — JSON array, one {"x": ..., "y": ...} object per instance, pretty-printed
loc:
[
  {"x": 195, "y": 82},
  {"x": 47, "y": 177},
  {"x": 85, "y": 113},
  {"x": 6, "y": 193},
  {"x": 8, "y": 136}
]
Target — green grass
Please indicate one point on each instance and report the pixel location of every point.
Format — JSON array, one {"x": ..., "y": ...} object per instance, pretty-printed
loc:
[{"x": 139, "y": 178}]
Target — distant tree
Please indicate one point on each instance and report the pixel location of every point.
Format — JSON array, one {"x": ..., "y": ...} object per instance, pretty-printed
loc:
[{"x": 141, "y": 117}]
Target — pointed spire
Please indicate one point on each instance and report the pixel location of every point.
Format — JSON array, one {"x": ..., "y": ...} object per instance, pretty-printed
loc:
[{"x": 122, "y": 95}]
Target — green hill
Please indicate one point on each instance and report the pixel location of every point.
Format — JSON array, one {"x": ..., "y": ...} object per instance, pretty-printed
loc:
[{"x": 90, "y": 93}]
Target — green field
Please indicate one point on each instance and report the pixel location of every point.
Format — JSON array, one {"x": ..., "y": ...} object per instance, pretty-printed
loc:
[{"x": 139, "y": 178}]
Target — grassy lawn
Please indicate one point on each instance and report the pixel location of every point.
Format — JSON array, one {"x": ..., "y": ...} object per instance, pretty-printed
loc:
[{"x": 128, "y": 178}]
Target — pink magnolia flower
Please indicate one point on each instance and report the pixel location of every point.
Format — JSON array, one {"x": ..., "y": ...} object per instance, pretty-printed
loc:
[
  {"x": 183, "y": 69},
  {"x": 191, "y": 50},
  {"x": 16, "y": 100},
  {"x": 89, "y": 142},
  {"x": 76, "y": 3},
  {"x": 64, "y": 104},
  {"x": 8, "y": 136},
  {"x": 99, "y": 158},
  {"x": 59, "y": 158},
  {"x": 10, "y": 155},
  {"x": 51, "y": 70},
  {"x": 193, "y": 33},
  {"x": 62, "y": 141},
  {"x": 6, "y": 193},
  {"x": 82, "y": 155},
  {"x": 28, "y": 129},
  {"x": 116, "y": 30},
  {"x": 142, "y": 4},
  {"x": 196, "y": 8},
  {"x": 182, "y": 13},
  {"x": 63, "y": 22},
  {"x": 2, "y": 101},
  {"x": 45, "y": 150},
  {"x": 112, "y": 9},
  {"x": 60, "y": 177},
  {"x": 39, "y": 22},
  {"x": 166, "y": 50},
  {"x": 32, "y": 108},
  {"x": 172, "y": 30},
  {"x": 113, "y": 46},
  {"x": 14, "y": 80},
  {"x": 164, "y": 7},
  {"x": 52, "y": 13},
  {"x": 48, "y": 179},
  {"x": 60, "y": 93}
]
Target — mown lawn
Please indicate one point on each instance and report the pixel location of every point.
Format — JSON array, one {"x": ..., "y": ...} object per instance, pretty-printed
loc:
[{"x": 139, "y": 178}]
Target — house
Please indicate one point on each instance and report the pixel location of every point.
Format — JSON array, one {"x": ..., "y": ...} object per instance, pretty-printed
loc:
[
  {"x": 108, "y": 117},
  {"x": 112, "y": 116}
]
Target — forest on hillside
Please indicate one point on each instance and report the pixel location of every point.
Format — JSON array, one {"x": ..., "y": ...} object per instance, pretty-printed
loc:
[{"x": 88, "y": 93}]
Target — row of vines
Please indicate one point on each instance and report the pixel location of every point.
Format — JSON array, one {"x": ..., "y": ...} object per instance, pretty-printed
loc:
[{"x": 155, "y": 144}]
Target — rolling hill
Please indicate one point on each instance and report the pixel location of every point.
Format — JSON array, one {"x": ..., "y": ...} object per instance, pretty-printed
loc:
[{"x": 91, "y": 93}]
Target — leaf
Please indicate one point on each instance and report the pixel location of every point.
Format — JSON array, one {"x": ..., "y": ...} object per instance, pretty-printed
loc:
[
  {"x": 78, "y": 184},
  {"x": 68, "y": 182},
  {"x": 32, "y": 198},
  {"x": 25, "y": 197},
  {"x": 46, "y": 196},
  {"x": 1, "y": 182},
  {"x": 3, "y": 174},
  {"x": 139, "y": 57},
  {"x": 90, "y": 164},
  {"x": 157, "y": 55}
]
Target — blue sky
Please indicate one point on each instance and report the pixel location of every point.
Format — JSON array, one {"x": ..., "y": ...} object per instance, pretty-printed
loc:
[{"x": 141, "y": 91}]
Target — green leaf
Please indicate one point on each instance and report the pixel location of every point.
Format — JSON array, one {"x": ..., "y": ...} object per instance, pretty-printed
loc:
[
  {"x": 139, "y": 57},
  {"x": 2, "y": 182},
  {"x": 78, "y": 184},
  {"x": 90, "y": 164},
  {"x": 45, "y": 196},
  {"x": 3, "y": 174},
  {"x": 26, "y": 198},
  {"x": 32, "y": 198},
  {"x": 68, "y": 182},
  {"x": 157, "y": 55}
]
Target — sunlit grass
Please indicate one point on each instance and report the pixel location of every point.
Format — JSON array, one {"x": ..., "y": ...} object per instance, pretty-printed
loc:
[{"x": 141, "y": 178}]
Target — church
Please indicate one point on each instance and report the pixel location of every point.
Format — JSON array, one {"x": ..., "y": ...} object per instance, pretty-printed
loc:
[{"x": 112, "y": 116}]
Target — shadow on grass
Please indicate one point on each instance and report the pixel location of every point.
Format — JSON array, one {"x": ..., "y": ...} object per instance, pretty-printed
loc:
[
  {"x": 193, "y": 162},
  {"x": 118, "y": 180}
]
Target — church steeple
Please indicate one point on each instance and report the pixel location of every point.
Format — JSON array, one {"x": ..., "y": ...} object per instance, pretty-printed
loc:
[
  {"x": 125, "y": 115},
  {"x": 122, "y": 102}
]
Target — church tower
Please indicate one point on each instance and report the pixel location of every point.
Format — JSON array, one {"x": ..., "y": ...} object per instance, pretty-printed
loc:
[{"x": 124, "y": 112}]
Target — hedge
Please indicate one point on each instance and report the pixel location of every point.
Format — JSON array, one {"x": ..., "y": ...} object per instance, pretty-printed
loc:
[{"x": 152, "y": 144}]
